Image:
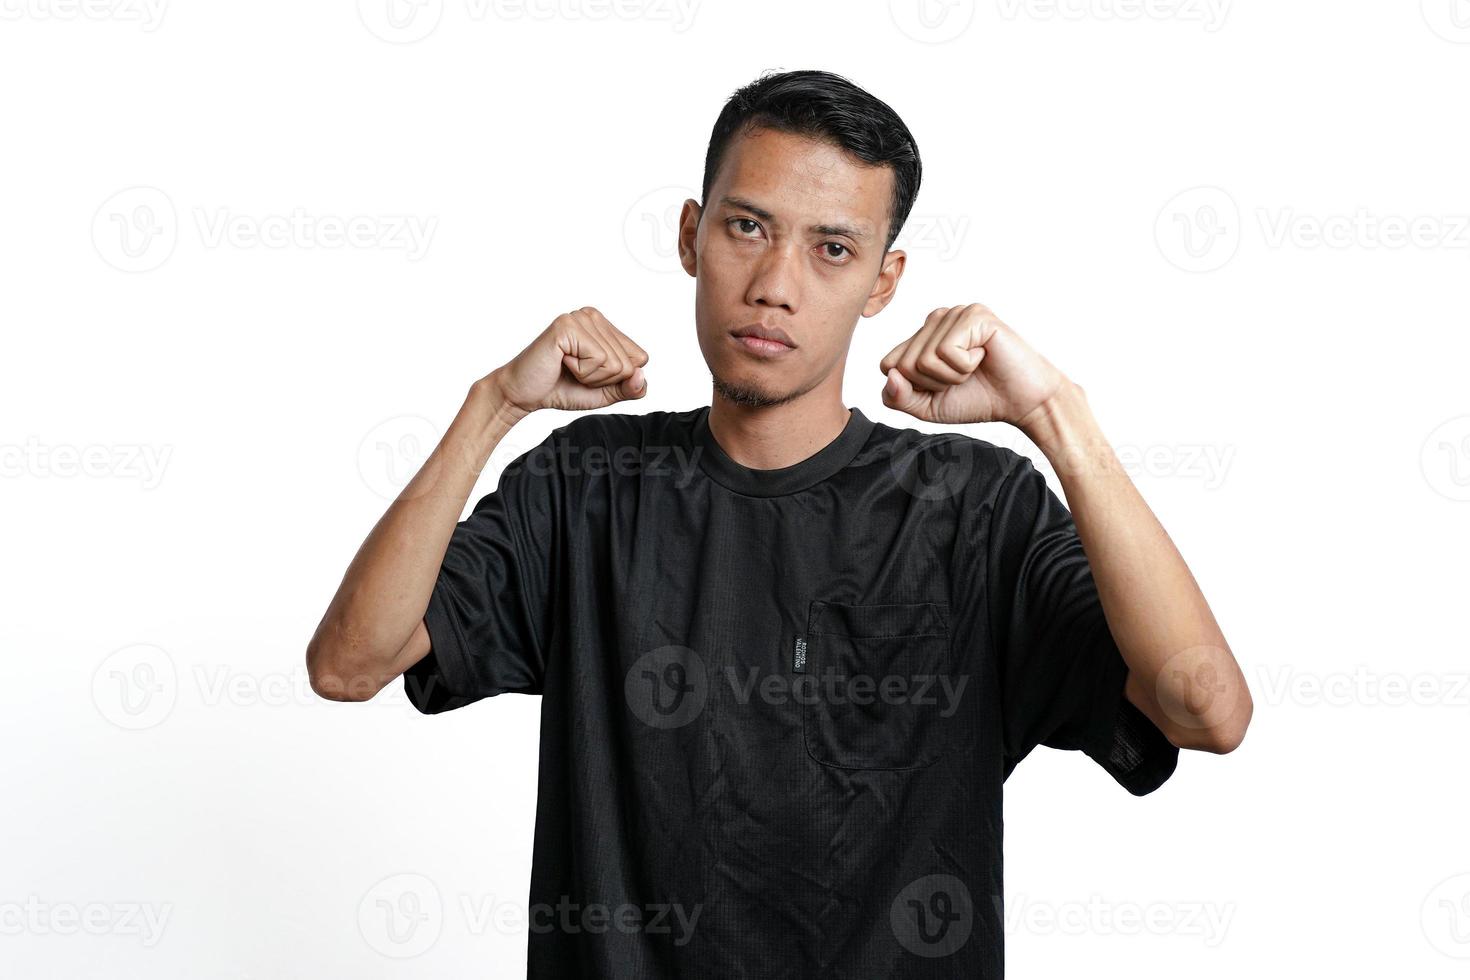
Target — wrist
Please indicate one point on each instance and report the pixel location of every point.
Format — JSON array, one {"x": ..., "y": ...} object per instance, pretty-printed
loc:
[
  {"x": 1063, "y": 427},
  {"x": 490, "y": 395}
]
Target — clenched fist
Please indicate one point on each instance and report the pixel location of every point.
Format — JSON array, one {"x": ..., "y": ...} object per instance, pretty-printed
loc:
[
  {"x": 580, "y": 362},
  {"x": 965, "y": 365}
]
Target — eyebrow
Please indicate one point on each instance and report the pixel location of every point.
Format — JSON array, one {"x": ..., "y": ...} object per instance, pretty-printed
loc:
[{"x": 741, "y": 204}]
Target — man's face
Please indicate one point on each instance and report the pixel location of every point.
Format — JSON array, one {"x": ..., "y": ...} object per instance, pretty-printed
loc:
[{"x": 791, "y": 240}]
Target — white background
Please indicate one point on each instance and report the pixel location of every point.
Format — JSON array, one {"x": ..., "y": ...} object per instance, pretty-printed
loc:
[{"x": 1197, "y": 209}]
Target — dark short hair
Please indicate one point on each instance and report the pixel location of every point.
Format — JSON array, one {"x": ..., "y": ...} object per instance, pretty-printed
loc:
[{"x": 828, "y": 107}]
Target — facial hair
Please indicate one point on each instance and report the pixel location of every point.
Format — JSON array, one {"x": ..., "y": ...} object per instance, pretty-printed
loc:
[{"x": 749, "y": 395}]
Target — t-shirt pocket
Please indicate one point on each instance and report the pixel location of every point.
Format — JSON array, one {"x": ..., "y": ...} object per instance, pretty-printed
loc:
[{"x": 874, "y": 697}]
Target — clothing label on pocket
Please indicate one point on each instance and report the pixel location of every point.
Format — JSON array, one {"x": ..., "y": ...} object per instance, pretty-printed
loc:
[{"x": 798, "y": 662}]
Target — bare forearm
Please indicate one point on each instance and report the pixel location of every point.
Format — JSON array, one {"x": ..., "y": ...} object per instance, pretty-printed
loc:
[
  {"x": 1182, "y": 673},
  {"x": 386, "y": 589}
]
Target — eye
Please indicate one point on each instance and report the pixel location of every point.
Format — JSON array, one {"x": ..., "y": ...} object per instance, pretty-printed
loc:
[
  {"x": 845, "y": 250},
  {"x": 755, "y": 225}
]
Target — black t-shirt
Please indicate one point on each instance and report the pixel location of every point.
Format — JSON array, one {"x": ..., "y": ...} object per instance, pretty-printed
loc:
[{"x": 777, "y": 705}]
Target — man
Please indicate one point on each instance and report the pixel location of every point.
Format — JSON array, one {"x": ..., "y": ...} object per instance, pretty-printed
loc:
[{"x": 788, "y": 655}]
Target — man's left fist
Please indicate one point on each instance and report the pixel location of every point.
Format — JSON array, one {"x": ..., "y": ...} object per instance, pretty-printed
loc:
[{"x": 965, "y": 365}]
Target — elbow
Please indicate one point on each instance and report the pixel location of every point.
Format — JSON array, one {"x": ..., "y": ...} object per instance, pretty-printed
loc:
[
  {"x": 1219, "y": 739},
  {"x": 333, "y": 680}
]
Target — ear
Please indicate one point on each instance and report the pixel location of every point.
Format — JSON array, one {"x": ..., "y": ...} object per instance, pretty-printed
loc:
[
  {"x": 887, "y": 282},
  {"x": 689, "y": 236}
]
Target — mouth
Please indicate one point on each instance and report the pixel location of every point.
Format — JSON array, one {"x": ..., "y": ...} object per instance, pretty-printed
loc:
[{"x": 762, "y": 340}]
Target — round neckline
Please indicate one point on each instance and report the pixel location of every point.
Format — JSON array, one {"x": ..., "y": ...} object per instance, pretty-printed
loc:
[{"x": 785, "y": 479}]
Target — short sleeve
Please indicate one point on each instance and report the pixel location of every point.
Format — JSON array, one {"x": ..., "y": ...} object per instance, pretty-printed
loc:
[
  {"x": 1061, "y": 676},
  {"x": 488, "y": 617}
]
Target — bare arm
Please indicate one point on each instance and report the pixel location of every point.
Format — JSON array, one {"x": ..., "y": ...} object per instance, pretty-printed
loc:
[
  {"x": 966, "y": 365},
  {"x": 373, "y": 629},
  {"x": 1181, "y": 672}
]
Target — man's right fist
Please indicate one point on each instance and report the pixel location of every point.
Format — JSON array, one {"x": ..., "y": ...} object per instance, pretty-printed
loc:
[{"x": 580, "y": 362}]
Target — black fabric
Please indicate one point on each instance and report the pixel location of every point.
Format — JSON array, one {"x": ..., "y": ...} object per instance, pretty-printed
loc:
[{"x": 778, "y": 706}]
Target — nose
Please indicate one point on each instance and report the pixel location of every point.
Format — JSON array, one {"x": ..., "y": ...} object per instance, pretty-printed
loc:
[{"x": 776, "y": 281}]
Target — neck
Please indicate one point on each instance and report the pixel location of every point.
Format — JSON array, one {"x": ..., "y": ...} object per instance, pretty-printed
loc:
[{"x": 774, "y": 436}]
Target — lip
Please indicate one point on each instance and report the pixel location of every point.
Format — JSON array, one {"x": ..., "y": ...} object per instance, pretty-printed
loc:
[{"x": 760, "y": 339}]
